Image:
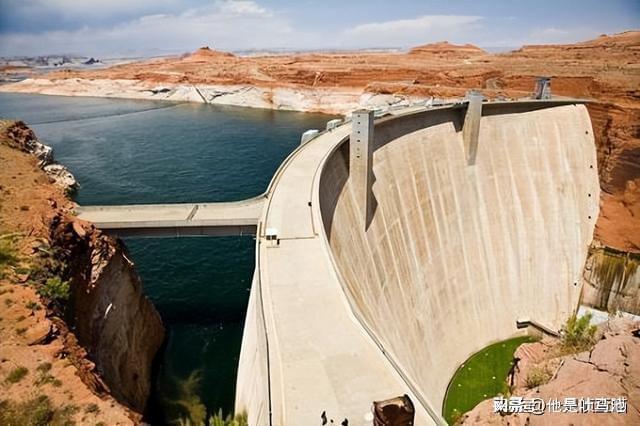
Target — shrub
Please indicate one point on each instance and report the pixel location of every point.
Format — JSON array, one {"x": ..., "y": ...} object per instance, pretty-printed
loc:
[
  {"x": 42, "y": 413},
  {"x": 68, "y": 411},
  {"x": 220, "y": 420},
  {"x": 537, "y": 376},
  {"x": 579, "y": 334},
  {"x": 34, "y": 412},
  {"x": 92, "y": 408},
  {"x": 43, "y": 374},
  {"x": 456, "y": 417},
  {"x": 55, "y": 290},
  {"x": 45, "y": 367},
  {"x": 17, "y": 374},
  {"x": 33, "y": 306},
  {"x": 8, "y": 255},
  {"x": 22, "y": 270}
]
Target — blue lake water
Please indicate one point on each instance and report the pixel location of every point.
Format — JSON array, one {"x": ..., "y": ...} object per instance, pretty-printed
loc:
[{"x": 130, "y": 151}]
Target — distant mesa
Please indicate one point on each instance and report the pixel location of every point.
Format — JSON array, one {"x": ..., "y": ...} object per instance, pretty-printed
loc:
[
  {"x": 446, "y": 48},
  {"x": 207, "y": 53}
]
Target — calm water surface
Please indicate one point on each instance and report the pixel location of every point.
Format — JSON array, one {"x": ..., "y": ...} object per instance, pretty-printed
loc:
[{"x": 129, "y": 151}]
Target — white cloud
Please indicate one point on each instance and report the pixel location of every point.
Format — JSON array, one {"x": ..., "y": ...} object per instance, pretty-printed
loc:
[
  {"x": 223, "y": 25},
  {"x": 411, "y": 32},
  {"x": 85, "y": 8},
  {"x": 242, "y": 7}
]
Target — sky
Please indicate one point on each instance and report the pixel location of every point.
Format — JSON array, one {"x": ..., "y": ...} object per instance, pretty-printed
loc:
[{"x": 104, "y": 28}]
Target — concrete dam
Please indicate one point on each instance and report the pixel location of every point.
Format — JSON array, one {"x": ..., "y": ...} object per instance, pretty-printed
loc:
[
  {"x": 455, "y": 254},
  {"x": 390, "y": 249}
]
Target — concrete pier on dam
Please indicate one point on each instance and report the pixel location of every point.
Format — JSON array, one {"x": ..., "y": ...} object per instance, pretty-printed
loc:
[{"x": 389, "y": 249}]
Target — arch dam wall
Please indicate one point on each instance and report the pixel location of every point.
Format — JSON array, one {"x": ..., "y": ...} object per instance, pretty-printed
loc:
[{"x": 453, "y": 255}]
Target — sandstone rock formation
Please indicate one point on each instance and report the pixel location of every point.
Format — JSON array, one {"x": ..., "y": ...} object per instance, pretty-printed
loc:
[
  {"x": 23, "y": 138},
  {"x": 446, "y": 49},
  {"x": 112, "y": 318},
  {"x": 62, "y": 177}
]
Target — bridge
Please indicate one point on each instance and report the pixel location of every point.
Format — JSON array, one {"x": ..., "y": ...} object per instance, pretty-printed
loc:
[
  {"x": 331, "y": 324},
  {"x": 177, "y": 220}
]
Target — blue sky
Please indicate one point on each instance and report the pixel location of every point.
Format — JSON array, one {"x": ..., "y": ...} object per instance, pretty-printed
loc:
[{"x": 128, "y": 27}]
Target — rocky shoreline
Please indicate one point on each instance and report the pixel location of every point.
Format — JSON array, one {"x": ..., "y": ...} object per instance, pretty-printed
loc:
[
  {"x": 23, "y": 138},
  {"x": 87, "y": 356},
  {"x": 329, "y": 101}
]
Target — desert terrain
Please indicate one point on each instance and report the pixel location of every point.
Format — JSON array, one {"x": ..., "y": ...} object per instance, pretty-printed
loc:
[{"x": 605, "y": 70}]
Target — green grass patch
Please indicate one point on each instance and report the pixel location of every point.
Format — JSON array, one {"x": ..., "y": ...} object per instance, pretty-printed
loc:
[{"x": 482, "y": 376}]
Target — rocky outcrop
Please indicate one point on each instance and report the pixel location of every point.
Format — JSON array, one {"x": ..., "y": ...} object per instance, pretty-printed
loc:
[
  {"x": 23, "y": 138},
  {"x": 61, "y": 176},
  {"x": 111, "y": 317},
  {"x": 205, "y": 53}
]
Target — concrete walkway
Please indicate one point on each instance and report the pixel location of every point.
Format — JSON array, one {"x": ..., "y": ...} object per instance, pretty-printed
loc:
[
  {"x": 154, "y": 220},
  {"x": 321, "y": 357}
]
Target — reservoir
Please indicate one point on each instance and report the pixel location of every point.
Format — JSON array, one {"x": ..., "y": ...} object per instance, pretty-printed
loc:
[{"x": 133, "y": 152}]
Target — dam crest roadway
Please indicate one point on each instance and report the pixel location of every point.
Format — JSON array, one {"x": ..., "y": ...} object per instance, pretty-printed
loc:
[{"x": 312, "y": 342}]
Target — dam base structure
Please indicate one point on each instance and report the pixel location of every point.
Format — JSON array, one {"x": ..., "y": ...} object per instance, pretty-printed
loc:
[{"x": 463, "y": 221}]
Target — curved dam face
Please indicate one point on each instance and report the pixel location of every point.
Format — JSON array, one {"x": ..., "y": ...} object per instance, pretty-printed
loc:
[{"x": 454, "y": 254}]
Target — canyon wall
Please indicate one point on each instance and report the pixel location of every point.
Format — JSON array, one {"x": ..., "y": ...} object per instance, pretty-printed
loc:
[
  {"x": 455, "y": 254},
  {"x": 110, "y": 315},
  {"x": 107, "y": 311}
]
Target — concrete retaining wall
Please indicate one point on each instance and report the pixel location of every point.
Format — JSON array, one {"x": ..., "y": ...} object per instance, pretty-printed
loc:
[
  {"x": 455, "y": 254},
  {"x": 252, "y": 393}
]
